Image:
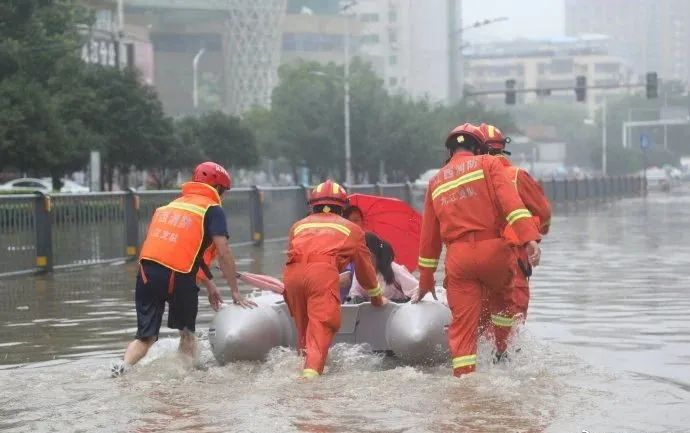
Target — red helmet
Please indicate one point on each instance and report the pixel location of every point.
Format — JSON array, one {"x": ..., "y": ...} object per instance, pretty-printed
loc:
[
  {"x": 212, "y": 174},
  {"x": 495, "y": 142},
  {"x": 465, "y": 130},
  {"x": 330, "y": 193}
]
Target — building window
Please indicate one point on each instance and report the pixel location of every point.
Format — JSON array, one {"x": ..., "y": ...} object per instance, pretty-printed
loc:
[
  {"x": 392, "y": 81},
  {"x": 369, "y": 39},
  {"x": 104, "y": 20},
  {"x": 606, "y": 68},
  {"x": 312, "y": 42},
  {"x": 561, "y": 66},
  {"x": 392, "y": 36},
  {"x": 369, "y": 18},
  {"x": 392, "y": 60},
  {"x": 392, "y": 15}
]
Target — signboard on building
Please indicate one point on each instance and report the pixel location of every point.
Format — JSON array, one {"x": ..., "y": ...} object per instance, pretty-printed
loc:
[{"x": 100, "y": 51}]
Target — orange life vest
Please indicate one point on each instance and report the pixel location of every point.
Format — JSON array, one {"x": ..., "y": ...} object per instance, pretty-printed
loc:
[
  {"x": 176, "y": 232},
  {"x": 508, "y": 232}
]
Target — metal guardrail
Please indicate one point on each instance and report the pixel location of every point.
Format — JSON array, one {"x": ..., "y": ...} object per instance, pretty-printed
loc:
[{"x": 41, "y": 233}]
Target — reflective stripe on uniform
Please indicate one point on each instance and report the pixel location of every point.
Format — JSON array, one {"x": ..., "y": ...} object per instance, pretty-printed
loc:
[
  {"x": 377, "y": 291},
  {"x": 462, "y": 180},
  {"x": 464, "y": 361},
  {"x": 518, "y": 214},
  {"x": 502, "y": 321},
  {"x": 188, "y": 207},
  {"x": 427, "y": 263},
  {"x": 309, "y": 373},
  {"x": 339, "y": 227}
]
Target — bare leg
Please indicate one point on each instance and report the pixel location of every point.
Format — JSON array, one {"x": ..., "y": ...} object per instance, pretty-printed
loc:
[
  {"x": 137, "y": 349},
  {"x": 187, "y": 345}
]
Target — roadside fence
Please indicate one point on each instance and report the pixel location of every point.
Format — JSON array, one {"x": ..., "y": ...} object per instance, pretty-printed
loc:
[{"x": 40, "y": 232}]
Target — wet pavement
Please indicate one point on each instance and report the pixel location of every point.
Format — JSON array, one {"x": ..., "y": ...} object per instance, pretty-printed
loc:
[{"x": 606, "y": 349}]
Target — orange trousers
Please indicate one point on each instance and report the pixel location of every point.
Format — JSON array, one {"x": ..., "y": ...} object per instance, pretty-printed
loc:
[
  {"x": 471, "y": 268},
  {"x": 503, "y": 310},
  {"x": 312, "y": 295}
]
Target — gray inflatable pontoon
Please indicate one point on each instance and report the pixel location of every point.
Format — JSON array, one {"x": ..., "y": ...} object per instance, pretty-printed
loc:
[{"x": 415, "y": 333}]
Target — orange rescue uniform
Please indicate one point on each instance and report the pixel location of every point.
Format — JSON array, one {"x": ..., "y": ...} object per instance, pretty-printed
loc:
[
  {"x": 319, "y": 248},
  {"x": 467, "y": 205},
  {"x": 512, "y": 304}
]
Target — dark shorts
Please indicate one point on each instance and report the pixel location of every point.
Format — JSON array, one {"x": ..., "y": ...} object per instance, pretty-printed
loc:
[{"x": 150, "y": 298}]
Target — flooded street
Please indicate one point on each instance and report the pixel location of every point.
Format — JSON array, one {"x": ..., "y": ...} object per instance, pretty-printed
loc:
[{"x": 606, "y": 349}]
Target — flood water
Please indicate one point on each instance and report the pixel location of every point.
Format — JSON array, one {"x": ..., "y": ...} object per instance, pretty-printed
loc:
[{"x": 606, "y": 349}]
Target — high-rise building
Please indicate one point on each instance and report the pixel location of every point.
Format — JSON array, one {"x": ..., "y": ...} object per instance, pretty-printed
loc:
[
  {"x": 236, "y": 44},
  {"x": 406, "y": 41},
  {"x": 546, "y": 64},
  {"x": 652, "y": 35}
]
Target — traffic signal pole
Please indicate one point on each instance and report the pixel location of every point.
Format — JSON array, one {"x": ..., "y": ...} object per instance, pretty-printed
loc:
[{"x": 551, "y": 89}]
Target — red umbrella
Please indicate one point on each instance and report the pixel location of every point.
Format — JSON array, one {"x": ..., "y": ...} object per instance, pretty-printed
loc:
[{"x": 394, "y": 221}]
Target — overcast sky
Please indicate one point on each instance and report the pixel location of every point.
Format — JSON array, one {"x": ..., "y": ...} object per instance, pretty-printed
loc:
[{"x": 527, "y": 18}]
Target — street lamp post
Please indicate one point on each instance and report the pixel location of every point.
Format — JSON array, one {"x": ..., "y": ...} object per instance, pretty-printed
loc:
[
  {"x": 346, "y": 83},
  {"x": 195, "y": 78},
  {"x": 603, "y": 137}
]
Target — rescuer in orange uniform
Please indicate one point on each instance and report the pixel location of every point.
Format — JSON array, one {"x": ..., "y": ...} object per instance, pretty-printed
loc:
[
  {"x": 467, "y": 205},
  {"x": 319, "y": 248},
  {"x": 511, "y": 305},
  {"x": 171, "y": 257}
]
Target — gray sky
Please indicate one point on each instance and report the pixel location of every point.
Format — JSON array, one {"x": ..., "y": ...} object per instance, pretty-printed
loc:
[{"x": 527, "y": 18}]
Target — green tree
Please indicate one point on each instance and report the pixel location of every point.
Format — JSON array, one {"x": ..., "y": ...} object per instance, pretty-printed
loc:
[
  {"x": 306, "y": 114},
  {"x": 39, "y": 42},
  {"x": 226, "y": 140},
  {"x": 127, "y": 118}
]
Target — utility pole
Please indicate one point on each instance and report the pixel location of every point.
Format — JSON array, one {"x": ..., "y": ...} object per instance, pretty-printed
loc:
[
  {"x": 348, "y": 147},
  {"x": 453, "y": 36},
  {"x": 603, "y": 137},
  {"x": 121, "y": 54},
  {"x": 195, "y": 78}
]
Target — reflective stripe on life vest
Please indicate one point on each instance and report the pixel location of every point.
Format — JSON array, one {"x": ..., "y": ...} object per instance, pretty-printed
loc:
[
  {"x": 339, "y": 227},
  {"x": 188, "y": 207},
  {"x": 462, "y": 180}
]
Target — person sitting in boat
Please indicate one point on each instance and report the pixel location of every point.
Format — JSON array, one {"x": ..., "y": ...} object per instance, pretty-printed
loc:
[
  {"x": 354, "y": 214},
  {"x": 398, "y": 284}
]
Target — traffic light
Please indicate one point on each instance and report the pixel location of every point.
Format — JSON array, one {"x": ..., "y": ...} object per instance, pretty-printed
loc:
[
  {"x": 580, "y": 88},
  {"x": 652, "y": 85},
  {"x": 510, "y": 92}
]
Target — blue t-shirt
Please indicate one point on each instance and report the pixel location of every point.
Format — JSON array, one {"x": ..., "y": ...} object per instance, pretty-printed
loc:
[{"x": 215, "y": 223}]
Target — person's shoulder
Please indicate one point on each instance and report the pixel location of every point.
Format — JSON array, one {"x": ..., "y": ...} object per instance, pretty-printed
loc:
[
  {"x": 216, "y": 209},
  {"x": 354, "y": 228},
  {"x": 524, "y": 175},
  {"x": 398, "y": 268},
  {"x": 308, "y": 218}
]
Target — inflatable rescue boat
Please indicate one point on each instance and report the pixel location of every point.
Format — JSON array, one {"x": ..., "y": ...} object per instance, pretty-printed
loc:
[{"x": 415, "y": 333}]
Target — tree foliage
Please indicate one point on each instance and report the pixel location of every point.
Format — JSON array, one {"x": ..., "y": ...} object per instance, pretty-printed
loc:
[{"x": 404, "y": 136}]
